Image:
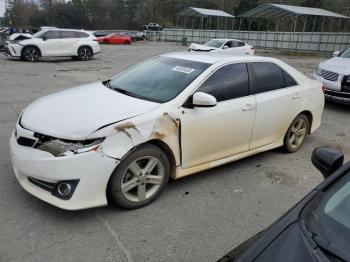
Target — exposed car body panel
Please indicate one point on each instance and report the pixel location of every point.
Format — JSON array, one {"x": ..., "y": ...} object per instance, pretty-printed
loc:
[
  {"x": 95, "y": 111},
  {"x": 116, "y": 38},
  {"x": 53, "y": 47},
  {"x": 244, "y": 48},
  {"x": 287, "y": 238},
  {"x": 92, "y": 101}
]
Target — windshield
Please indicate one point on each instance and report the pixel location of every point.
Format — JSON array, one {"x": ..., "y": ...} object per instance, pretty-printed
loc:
[
  {"x": 39, "y": 34},
  {"x": 160, "y": 79},
  {"x": 345, "y": 53},
  {"x": 328, "y": 218},
  {"x": 214, "y": 43}
]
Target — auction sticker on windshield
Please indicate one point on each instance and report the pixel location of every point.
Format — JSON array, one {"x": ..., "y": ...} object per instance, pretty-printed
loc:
[{"x": 182, "y": 69}]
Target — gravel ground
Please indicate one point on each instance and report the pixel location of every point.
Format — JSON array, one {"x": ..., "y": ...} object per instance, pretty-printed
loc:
[{"x": 198, "y": 218}]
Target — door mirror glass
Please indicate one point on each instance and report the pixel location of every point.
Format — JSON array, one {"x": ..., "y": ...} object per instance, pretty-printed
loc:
[
  {"x": 327, "y": 160},
  {"x": 336, "y": 53},
  {"x": 201, "y": 99}
]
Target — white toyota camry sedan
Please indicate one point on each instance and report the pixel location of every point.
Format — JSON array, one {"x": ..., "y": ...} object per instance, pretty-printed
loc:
[{"x": 170, "y": 116}]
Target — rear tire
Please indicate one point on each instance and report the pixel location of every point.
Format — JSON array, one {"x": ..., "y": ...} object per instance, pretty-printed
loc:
[
  {"x": 85, "y": 53},
  {"x": 30, "y": 54},
  {"x": 139, "y": 178},
  {"x": 127, "y": 43},
  {"x": 296, "y": 134}
]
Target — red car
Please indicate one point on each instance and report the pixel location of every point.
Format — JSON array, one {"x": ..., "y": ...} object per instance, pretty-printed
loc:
[{"x": 115, "y": 38}]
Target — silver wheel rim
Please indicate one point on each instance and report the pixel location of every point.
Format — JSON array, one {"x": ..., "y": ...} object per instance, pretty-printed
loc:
[
  {"x": 32, "y": 55},
  {"x": 142, "y": 179},
  {"x": 297, "y": 133},
  {"x": 85, "y": 54}
]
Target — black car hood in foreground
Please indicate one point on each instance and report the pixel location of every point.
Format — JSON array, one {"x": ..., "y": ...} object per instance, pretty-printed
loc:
[{"x": 287, "y": 239}]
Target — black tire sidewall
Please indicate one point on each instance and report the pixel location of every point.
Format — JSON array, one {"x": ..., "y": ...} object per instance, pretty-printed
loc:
[
  {"x": 79, "y": 56},
  {"x": 286, "y": 145},
  {"x": 24, "y": 58},
  {"x": 114, "y": 184}
]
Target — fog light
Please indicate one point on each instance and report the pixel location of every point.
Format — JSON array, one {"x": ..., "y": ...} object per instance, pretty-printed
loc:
[{"x": 64, "y": 189}]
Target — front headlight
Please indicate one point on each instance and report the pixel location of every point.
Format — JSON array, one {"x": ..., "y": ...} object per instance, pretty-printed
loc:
[
  {"x": 319, "y": 71},
  {"x": 59, "y": 147}
]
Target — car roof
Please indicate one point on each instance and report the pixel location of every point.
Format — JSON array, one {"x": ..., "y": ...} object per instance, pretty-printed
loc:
[
  {"x": 213, "y": 58},
  {"x": 227, "y": 39}
]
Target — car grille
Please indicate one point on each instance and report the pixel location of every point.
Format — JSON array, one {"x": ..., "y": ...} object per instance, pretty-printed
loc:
[
  {"x": 24, "y": 141},
  {"x": 330, "y": 75}
]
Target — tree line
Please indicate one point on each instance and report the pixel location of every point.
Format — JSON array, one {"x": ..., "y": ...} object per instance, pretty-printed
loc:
[{"x": 126, "y": 14}]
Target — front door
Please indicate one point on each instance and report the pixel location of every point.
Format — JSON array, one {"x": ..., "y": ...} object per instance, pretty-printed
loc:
[{"x": 209, "y": 134}]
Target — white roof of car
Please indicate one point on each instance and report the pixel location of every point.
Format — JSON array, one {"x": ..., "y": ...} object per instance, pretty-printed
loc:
[
  {"x": 212, "y": 58},
  {"x": 227, "y": 39}
]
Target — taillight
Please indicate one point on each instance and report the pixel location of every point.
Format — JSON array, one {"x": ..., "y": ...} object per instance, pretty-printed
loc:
[{"x": 323, "y": 89}]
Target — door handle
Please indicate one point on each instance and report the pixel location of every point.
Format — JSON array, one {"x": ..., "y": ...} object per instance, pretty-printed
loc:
[{"x": 248, "y": 107}]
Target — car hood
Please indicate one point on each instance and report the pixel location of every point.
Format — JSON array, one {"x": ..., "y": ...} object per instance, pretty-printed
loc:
[
  {"x": 337, "y": 65},
  {"x": 20, "y": 36},
  {"x": 202, "y": 47},
  {"x": 77, "y": 112}
]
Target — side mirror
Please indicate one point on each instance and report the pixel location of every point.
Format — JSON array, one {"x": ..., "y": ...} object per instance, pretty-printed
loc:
[
  {"x": 225, "y": 47},
  {"x": 201, "y": 99},
  {"x": 327, "y": 160},
  {"x": 336, "y": 53},
  {"x": 44, "y": 38}
]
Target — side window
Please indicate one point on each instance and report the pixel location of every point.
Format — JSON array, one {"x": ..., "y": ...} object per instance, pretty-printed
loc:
[
  {"x": 52, "y": 35},
  {"x": 228, "y": 82},
  {"x": 289, "y": 81},
  {"x": 228, "y": 44},
  {"x": 69, "y": 34},
  {"x": 268, "y": 77},
  {"x": 240, "y": 43},
  {"x": 82, "y": 34}
]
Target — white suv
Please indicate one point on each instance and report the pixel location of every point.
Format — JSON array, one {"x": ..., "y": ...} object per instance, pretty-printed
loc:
[{"x": 54, "y": 43}]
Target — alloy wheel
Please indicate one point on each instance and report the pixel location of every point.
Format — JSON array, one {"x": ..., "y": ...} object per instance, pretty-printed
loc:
[
  {"x": 297, "y": 133},
  {"x": 142, "y": 179},
  {"x": 32, "y": 54},
  {"x": 85, "y": 54}
]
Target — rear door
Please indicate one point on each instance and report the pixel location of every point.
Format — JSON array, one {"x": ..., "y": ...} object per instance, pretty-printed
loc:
[
  {"x": 213, "y": 133},
  {"x": 69, "y": 43},
  {"x": 279, "y": 99}
]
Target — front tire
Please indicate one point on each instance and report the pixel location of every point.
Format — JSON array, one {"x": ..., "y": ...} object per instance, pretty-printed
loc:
[
  {"x": 139, "y": 178},
  {"x": 296, "y": 133},
  {"x": 127, "y": 43},
  {"x": 30, "y": 54},
  {"x": 85, "y": 53}
]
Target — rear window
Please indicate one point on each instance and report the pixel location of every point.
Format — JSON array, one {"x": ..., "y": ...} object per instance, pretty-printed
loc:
[{"x": 82, "y": 34}]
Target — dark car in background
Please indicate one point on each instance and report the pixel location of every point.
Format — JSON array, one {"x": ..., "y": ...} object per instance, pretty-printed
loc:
[
  {"x": 135, "y": 35},
  {"x": 315, "y": 229},
  {"x": 153, "y": 27}
]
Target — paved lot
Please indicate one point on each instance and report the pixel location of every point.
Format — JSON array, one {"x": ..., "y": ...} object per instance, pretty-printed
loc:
[{"x": 198, "y": 218}]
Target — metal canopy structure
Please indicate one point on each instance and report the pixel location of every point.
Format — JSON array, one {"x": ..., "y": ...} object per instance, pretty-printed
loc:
[
  {"x": 276, "y": 11},
  {"x": 205, "y": 17},
  {"x": 202, "y": 12}
]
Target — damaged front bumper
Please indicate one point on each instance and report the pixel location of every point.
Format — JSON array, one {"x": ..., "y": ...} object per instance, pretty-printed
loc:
[{"x": 41, "y": 174}]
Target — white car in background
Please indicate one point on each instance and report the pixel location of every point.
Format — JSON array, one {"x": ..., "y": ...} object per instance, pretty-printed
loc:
[
  {"x": 171, "y": 116},
  {"x": 335, "y": 77},
  {"x": 232, "y": 46},
  {"x": 54, "y": 43}
]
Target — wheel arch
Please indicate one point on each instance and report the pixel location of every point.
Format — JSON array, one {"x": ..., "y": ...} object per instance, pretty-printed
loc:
[
  {"x": 309, "y": 117},
  {"x": 31, "y": 45},
  {"x": 166, "y": 149}
]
